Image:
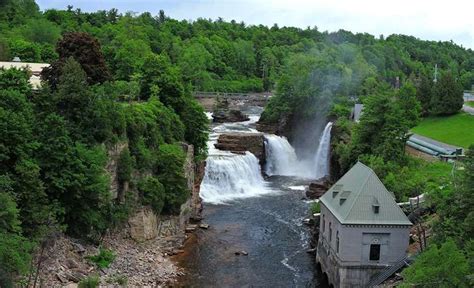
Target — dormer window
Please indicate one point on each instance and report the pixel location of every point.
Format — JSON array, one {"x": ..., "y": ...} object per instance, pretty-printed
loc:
[
  {"x": 375, "y": 206},
  {"x": 337, "y": 188},
  {"x": 376, "y": 209},
  {"x": 344, "y": 196}
]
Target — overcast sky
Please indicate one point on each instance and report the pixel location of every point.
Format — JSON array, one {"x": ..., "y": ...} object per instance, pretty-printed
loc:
[{"x": 430, "y": 20}]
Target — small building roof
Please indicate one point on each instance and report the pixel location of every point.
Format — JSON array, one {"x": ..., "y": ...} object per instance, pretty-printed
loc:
[
  {"x": 359, "y": 197},
  {"x": 35, "y": 69}
]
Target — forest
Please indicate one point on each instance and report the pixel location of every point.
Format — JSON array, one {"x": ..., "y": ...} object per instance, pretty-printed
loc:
[{"x": 127, "y": 79}]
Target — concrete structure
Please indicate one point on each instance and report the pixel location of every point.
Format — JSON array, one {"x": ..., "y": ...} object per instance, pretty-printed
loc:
[
  {"x": 362, "y": 230},
  {"x": 35, "y": 69}
]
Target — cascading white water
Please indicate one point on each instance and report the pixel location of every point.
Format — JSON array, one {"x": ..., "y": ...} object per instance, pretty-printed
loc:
[
  {"x": 321, "y": 159},
  {"x": 231, "y": 176},
  {"x": 282, "y": 160},
  {"x": 281, "y": 157}
]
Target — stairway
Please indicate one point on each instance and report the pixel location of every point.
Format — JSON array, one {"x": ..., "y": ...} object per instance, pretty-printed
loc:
[{"x": 387, "y": 272}]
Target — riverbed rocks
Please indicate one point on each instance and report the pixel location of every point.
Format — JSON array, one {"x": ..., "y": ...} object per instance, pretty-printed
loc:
[
  {"x": 139, "y": 264},
  {"x": 318, "y": 188},
  {"x": 230, "y": 115},
  {"x": 241, "y": 142}
]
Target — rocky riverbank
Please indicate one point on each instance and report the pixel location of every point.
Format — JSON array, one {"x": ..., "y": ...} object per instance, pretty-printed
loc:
[
  {"x": 241, "y": 142},
  {"x": 65, "y": 262}
]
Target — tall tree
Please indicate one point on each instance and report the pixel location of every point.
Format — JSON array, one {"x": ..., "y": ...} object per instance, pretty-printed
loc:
[
  {"x": 447, "y": 96},
  {"x": 86, "y": 50}
]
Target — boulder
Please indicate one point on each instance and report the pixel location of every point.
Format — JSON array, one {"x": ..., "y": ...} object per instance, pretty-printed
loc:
[
  {"x": 241, "y": 142},
  {"x": 232, "y": 115},
  {"x": 318, "y": 188}
]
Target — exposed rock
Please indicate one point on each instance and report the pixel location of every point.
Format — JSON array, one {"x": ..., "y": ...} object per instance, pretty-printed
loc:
[
  {"x": 244, "y": 253},
  {"x": 241, "y": 142},
  {"x": 204, "y": 226},
  {"x": 318, "y": 188},
  {"x": 143, "y": 225},
  {"x": 117, "y": 190},
  {"x": 222, "y": 116},
  {"x": 281, "y": 127}
]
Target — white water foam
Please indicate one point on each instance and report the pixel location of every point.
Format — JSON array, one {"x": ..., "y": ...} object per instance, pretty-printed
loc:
[
  {"x": 282, "y": 159},
  {"x": 230, "y": 176},
  {"x": 321, "y": 160}
]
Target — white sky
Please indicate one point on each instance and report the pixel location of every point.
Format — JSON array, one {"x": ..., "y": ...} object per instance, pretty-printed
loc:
[{"x": 430, "y": 20}]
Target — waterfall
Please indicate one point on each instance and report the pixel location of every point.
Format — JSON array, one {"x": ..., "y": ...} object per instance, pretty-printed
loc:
[
  {"x": 321, "y": 159},
  {"x": 280, "y": 157},
  {"x": 231, "y": 176}
]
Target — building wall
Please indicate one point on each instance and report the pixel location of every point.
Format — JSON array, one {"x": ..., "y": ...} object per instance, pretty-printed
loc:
[{"x": 351, "y": 267}]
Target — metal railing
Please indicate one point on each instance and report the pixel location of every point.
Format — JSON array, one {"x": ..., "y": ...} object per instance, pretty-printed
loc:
[{"x": 387, "y": 272}]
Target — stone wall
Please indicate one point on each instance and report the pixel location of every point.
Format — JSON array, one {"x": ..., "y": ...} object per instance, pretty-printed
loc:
[{"x": 143, "y": 225}]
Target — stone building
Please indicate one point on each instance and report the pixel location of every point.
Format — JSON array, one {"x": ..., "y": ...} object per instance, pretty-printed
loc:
[{"x": 362, "y": 230}]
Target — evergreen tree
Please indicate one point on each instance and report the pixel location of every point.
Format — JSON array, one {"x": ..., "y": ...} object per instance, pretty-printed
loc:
[
  {"x": 447, "y": 96},
  {"x": 424, "y": 93}
]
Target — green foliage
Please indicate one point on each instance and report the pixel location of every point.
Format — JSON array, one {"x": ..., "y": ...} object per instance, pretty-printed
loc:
[
  {"x": 14, "y": 79},
  {"x": 15, "y": 254},
  {"x": 152, "y": 193},
  {"x": 315, "y": 208},
  {"x": 444, "y": 266},
  {"x": 124, "y": 166},
  {"x": 169, "y": 167},
  {"x": 89, "y": 282},
  {"x": 103, "y": 259},
  {"x": 447, "y": 96}
]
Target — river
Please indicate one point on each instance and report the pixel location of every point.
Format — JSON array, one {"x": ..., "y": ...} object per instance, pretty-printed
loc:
[{"x": 248, "y": 214}]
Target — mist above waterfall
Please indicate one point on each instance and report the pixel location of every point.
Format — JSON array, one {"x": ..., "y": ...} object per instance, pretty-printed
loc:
[{"x": 282, "y": 159}]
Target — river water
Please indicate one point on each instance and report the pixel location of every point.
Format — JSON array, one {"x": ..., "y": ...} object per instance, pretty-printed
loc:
[{"x": 249, "y": 214}]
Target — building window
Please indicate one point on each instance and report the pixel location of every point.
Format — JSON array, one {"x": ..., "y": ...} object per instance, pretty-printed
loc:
[
  {"x": 337, "y": 241},
  {"x": 324, "y": 223},
  {"x": 374, "y": 252},
  {"x": 330, "y": 232}
]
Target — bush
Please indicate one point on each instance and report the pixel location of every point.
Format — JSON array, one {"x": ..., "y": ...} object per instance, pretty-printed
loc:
[
  {"x": 170, "y": 171},
  {"x": 103, "y": 259},
  {"x": 315, "y": 208},
  {"x": 124, "y": 166},
  {"x": 153, "y": 193},
  {"x": 90, "y": 282}
]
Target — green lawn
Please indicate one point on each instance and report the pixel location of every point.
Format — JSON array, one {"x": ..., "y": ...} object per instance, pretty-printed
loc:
[
  {"x": 455, "y": 130},
  {"x": 470, "y": 103}
]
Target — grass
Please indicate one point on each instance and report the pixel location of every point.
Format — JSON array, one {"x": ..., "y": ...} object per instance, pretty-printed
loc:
[
  {"x": 455, "y": 130},
  {"x": 470, "y": 103}
]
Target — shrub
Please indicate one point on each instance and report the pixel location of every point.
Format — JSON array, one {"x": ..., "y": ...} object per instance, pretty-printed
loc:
[
  {"x": 103, "y": 259},
  {"x": 124, "y": 166},
  {"x": 153, "y": 193},
  {"x": 90, "y": 282},
  {"x": 315, "y": 208}
]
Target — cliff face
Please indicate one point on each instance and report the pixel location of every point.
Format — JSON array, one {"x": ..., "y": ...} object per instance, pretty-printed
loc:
[
  {"x": 145, "y": 225},
  {"x": 241, "y": 142}
]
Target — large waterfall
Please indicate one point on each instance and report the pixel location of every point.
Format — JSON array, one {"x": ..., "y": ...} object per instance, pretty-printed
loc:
[
  {"x": 282, "y": 160},
  {"x": 321, "y": 160},
  {"x": 231, "y": 176}
]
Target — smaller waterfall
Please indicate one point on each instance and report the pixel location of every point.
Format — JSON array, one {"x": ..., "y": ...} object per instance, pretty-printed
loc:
[
  {"x": 232, "y": 176},
  {"x": 282, "y": 160},
  {"x": 280, "y": 155},
  {"x": 321, "y": 159}
]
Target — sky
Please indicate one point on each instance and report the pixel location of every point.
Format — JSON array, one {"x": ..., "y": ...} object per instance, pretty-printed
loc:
[{"x": 428, "y": 20}]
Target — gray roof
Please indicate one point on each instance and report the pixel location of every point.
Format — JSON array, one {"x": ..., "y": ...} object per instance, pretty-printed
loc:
[{"x": 353, "y": 197}]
